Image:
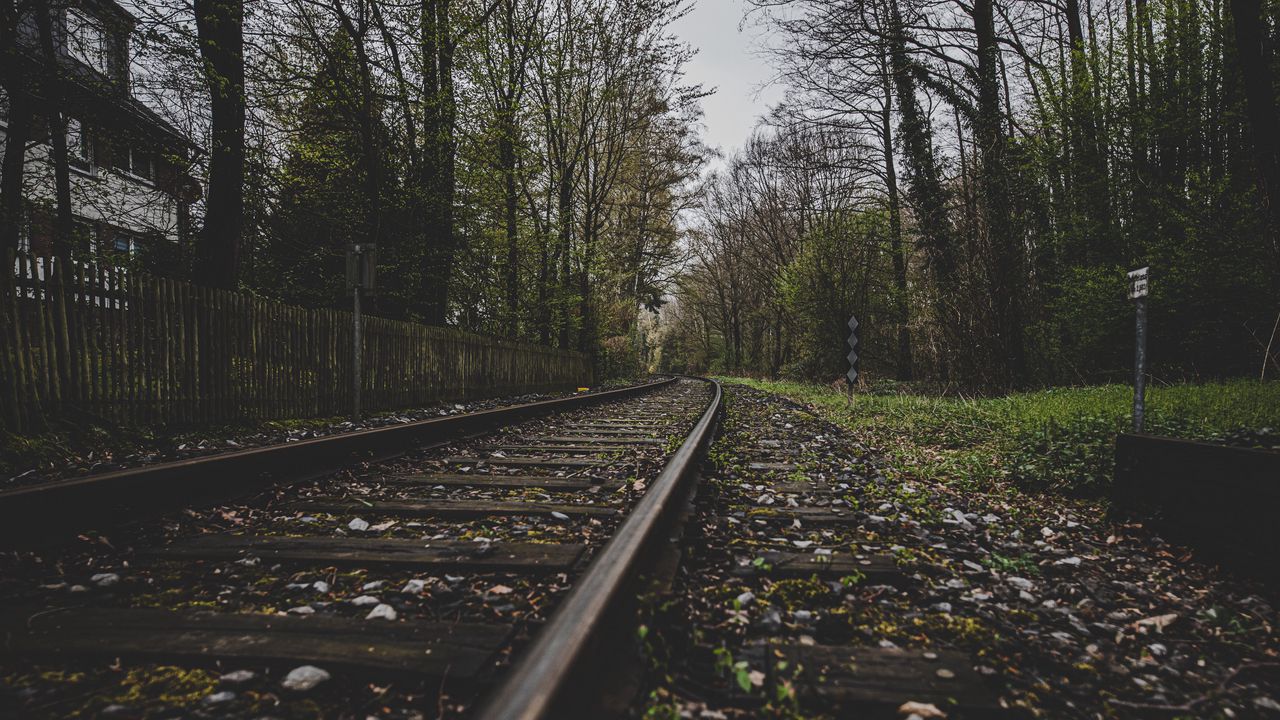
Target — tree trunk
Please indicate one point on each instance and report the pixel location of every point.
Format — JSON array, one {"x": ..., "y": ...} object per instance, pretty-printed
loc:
[
  {"x": 923, "y": 177},
  {"x": 439, "y": 178},
  {"x": 13, "y": 166},
  {"x": 64, "y": 223},
  {"x": 1091, "y": 201},
  {"x": 564, "y": 236},
  {"x": 1006, "y": 267},
  {"x": 507, "y": 161},
  {"x": 370, "y": 142},
  {"x": 895, "y": 232},
  {"x": 220, "y": 32},
  {"x": 544, "y": 290},
  {"x": 11, "y": 175},
  {"x": 1260, "y": 104}
]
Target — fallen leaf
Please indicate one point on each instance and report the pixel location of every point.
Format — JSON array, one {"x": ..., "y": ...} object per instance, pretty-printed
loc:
[
  {"x": 1159, "y": 622},
  {"x": 924, "y": 710}
]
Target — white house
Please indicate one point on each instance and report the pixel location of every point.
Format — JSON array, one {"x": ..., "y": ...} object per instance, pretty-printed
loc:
[{"x": 129, "y": 184}]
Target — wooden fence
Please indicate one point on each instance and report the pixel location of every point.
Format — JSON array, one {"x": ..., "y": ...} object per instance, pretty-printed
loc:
[{"x": 80, "y": 341}]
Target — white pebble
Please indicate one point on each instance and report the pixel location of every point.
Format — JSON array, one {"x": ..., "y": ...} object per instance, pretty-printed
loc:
[
  {"x": 303, "y": 678},
  {"x": 238, "y": 676},
  {"x": 382, "y": 612},
  {"x": 220, "y": 697},
  {"x": 105, "y": 579}
]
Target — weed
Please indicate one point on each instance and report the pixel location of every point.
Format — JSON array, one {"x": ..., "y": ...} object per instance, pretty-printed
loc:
[{"x": 1060, "y": 440}]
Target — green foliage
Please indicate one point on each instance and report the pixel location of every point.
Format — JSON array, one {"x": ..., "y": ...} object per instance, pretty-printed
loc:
[
  {"x": 323, "y": 193},
  {"x": 1024, "y": 564},
  {"x": 820, "y": 289},
  {"x": 1020, "y": 220},
  {"x": 796, "y": 592},
  {"x": 1060, "y": 440}
]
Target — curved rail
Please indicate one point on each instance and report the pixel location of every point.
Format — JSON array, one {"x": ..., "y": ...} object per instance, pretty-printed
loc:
[
  {"x": 532, "y": 688},
  {"x": 37, "y": 513}
]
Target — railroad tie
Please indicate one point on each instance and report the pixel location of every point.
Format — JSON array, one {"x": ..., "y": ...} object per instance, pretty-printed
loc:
[
  {"x": 522, "y": 461},
  {"x": 378, "y": 552},
  {"x": 460, "y": 650},
  {"x": 547, "y": 482},
  {"x": 873, "y": 569},
  {"x": 614, "y": 440},
  {"x": 873, "y": 682},
  {"x": 447, "y": 508}
]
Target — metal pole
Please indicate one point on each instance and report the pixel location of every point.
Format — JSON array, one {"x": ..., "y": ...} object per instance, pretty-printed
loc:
[
  {"x": 1140, "y": 365},
  {"x": 356, "y": 355}
]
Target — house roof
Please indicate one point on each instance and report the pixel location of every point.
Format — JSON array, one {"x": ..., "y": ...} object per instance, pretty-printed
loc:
[{"x": 89, "y": 95}]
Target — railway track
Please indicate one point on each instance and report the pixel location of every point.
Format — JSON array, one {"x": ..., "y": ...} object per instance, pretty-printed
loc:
[
  {"x": 780, "y": 608},
  {"x": 473, "y": 566}
]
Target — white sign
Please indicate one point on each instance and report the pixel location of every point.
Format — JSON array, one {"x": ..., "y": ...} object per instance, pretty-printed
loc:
[{"x": 1138, "y": 283}]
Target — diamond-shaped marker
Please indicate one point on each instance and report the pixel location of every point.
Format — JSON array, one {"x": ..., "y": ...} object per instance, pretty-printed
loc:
[
  {"x": 853, "y": 323},
  {"x": 852, "y": 375},
  {"x": 853, "y": 356}
]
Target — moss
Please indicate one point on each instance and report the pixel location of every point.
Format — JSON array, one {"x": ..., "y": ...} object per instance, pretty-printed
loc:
[
  {"x": 196, "y": 604},
  {"x": 795, "y": 592},
  {"x": 957, "y": 628},
  {"x": 155, "y": 688},
  {"x": 61, "y": 676}
]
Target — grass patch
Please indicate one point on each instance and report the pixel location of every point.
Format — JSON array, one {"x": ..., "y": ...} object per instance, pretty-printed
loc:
[{"x": 1061, "y": 440}]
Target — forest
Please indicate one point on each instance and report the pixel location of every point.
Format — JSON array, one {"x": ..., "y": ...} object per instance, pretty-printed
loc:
[
  {"x": 518, "y": 164},
  {"x": 972, "y": 180}
]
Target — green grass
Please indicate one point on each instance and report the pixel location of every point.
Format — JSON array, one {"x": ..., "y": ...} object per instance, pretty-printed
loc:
[{"x": 1060, "y": 439}]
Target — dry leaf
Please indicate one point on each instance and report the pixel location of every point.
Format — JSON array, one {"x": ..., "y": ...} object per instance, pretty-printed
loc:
[
  {"x": 924, "y": 710},
  {"x": 1159, "y": 622}
]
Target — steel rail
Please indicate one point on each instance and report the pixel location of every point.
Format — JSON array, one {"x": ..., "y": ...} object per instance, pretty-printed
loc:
[
  {"x": 535, "y": 685},
  {"x": 36, "y": 513}
]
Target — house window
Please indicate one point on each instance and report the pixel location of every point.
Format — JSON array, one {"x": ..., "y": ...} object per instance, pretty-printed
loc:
[
  {"x": 86, "y": 41},
  {"x": 120, "y": 156},
  {"x": 143, "y": 163},
  {"x": 79, "y": 149},
  {"x": 86, "y": 235},
  {"x": 118, "y": 241},
  {"x": 133, "y": 161}
]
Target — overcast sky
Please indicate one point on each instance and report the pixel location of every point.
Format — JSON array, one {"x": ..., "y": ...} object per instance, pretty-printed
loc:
[{"x": 729, "y": 61}]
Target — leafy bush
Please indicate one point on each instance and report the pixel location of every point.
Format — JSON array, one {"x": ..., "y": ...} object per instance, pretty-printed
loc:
[{"x": 1075, "y": 456}]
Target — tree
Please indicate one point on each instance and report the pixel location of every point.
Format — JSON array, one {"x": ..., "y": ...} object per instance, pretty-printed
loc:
[
  {"x": 18, "y": 130},
  {"x": 1256, "y": 62},
  {"x": 220, "y": 29}
]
